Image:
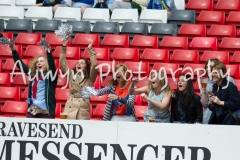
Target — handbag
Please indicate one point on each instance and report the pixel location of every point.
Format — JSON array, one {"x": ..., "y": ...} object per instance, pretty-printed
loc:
[{"x": 236, "y": 115}]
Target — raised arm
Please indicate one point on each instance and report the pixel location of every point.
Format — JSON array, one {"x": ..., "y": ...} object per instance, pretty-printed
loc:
[
  {"x": 93, "y": 60},
  {"x": 62, "y": 58},
  {"x": 134, "y": 91},
  {"x": 105, "y": 90}
]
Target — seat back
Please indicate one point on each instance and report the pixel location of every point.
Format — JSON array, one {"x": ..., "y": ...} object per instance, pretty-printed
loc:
[{"x": 44, "y": 26}]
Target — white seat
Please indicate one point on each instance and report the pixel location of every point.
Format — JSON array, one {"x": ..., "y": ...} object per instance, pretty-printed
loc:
[
  {"x": 124, "y": 15},
  {"x": 36, "y": 13},
  {"x": 96, "y": 14},
  {"x": 67, "y": 13},
  {"x": 7, "y": 2},
  {"x": 153, "y": 16},
  {"x": 180, "y": 4},
  {"x": 11, "y": 12},
  {"x": 25, "y": 3}
]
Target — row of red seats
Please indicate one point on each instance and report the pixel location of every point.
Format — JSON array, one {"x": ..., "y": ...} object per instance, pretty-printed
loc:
[{"x": 221, "y": 5}]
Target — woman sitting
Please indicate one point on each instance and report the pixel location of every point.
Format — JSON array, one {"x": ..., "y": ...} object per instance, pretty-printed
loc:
[{"x": 186, "y": 106}]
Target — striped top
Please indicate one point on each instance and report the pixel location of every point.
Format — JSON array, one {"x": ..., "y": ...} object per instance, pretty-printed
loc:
[{"x": 110, "y": 89}]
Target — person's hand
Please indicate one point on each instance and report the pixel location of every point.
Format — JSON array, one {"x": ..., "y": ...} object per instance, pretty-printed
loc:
[
  {"x": 12, "y": 46},
  {"x": 90, "y": 44},
  {"x": 112, "y": 97},
  {"x": 216, "y": 100},
  {"x": 143, "y": 95},
  {"x": 134, "y": 80}
]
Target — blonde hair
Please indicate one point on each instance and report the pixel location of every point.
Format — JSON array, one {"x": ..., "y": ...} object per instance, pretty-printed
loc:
[
  {"x": 33, "y": 62},
  {"x": 114, "y": 81}
]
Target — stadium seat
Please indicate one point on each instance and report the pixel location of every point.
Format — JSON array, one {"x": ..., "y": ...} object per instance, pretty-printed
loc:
[
  {"x": 142, "y": 83},
  {"x": 161, "y": 30},
  {"x": 44, "y": 26},
  {"x": 142, "y": 42},
  {"x": 24, "y": 94},
  {"x": 182, "y": 16},
  {"x": 211, "y": 17},
  {"x": 71, "y": 63},
  {"x": 7, "y": 3},
  {"x": 62, "y": 82},
  {"x": 20, "y": 81},
  {"x": 54, "y": 40},
  {"x": 133, "y": 28},
  {"x": 193, "y": 68},
  {"x": 234, "y": 70},
  {"x": 25, "y": 3},
  {"x": 170, "y": 68},
  {"x": 204, "y": 43},
  {"x": 5, "y": 79},
  {"x": 237, "y": 82},
  {"x": 61, "y": 95},
  {"x": 135, "y": 68},
  {"x": 173, "y": 83},
  {"x": 113, "y": 41},
  {"x": 7, "y": 66},
  {"x": 180, "y": 4},
  {"x": 80, "y": 26},
  {"x": 153, "y": 16},
  {"x": 58, "y": 110},
  {"x": 97, "y": 83},
  {"x": 171, "y": 42},
  {"x": 99, "y": 112},
  {"x": 222, "y": 31},
  {"x": 11, "y": 12},
  {"x": 19, "y": 25},
  {"x": 7, "y": 34},
  {"x": 100, "y": 14},
  {"x": 235, "y": 57},
  {"x": 155, "y": 55},
  {"x": 200, "y": 5},
  {"x": 105, "y": 81},
  {"x": 5, "y": 51},
  {"x": 124, "y": 15},
  {"x": 103, "y": 28},
  {"x": 233, "y": 18},
  {"x": 67, "y": 13},
  {"x": 184, "y": 56},
  {"x": 99, "y": 99},
  {"x": 82, "y": 40},
  {"x": 9, "y": 93},
  {"x": 230, "y": 44},
  {"x": 15, "y": 109},
  {"x": 192, "y": 30},
  {"x": 32, "y": 51},
  {"x": 222, "y": 56},
  {"x": 125, "y": 54},
  {"x": 140, "y": 110},
  {"x": 71, "y": 52},
  {"x": 25, "y": 39},
  {"x": 223, "y": 5},
  {"x": 36, "y": 13},
  {"x": 1, "y": 25},
  {"x": 101, "y": 53},
  {"x": 105, "y": 67}
]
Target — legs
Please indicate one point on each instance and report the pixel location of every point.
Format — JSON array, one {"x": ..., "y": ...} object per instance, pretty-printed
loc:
[
  {"x": 83, "y": 6},
  {"x": 120, "y": 5},
  {"x": 56, "y": 6},
  {"x": 29, "y": 115}
]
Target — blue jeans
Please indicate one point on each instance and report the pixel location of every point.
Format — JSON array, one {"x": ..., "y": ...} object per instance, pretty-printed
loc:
[{"x": 79, "y": 5}]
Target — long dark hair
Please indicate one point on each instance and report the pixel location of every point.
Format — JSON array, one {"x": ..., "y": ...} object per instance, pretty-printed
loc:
[
  {"x": 187, "y": 98},
  {"x": 86, "y": 72}
]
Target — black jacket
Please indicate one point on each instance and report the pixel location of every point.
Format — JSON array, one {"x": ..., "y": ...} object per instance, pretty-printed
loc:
[
  {"x": 49, "y": 4},
  {"x": 50, "y": 86},
  {"x": 231, "y": 98},
  {"x": 193, "y": 113}
]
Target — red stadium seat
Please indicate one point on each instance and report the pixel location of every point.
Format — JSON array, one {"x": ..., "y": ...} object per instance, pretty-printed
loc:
[
  {"x": 97, "y": 83},
  {"x": 71, "y": 63},
  {"x": 140, "y": 110},
  {"x": 8, "y": 35},
  {"x": 106, "y": 80},
  {"x": 155, "y": 55},
  {"x": 142, "y": 42},
  {"x": 234, "y": 70},
  {"x": 62, "y": 81},
  {"x": 142, "y": 83},
  {"x": 211, "y": 17},
  {"x": 61, "y": 94},
  {"x": 172, "y": 83},
  {"x": 105, "y": 67},
  {"x": 233, "y": 18},
  {"x": 235, "y": 57},
  {"x": 14, "y": 109},
  {"x": 113, "y": 41},
  {"x": 7, "y": 66},
  {"x": 185, "y": 56},
  {"x": 223, "y": 5},
  {"x": 9, "y": 93},
  {"x": 58, "y": 110},
  {"x": 125, "y": 54},
  {"x": 5, "y": 79},
  {"x": 171, "y": 42},
  {"x": 168, "y": 67},
  {"x": 237, "y": 82},
  {"x": 138, "y": 100},
  {"x": 222, "y": 31},
  {"x": 54, "y": 40},
  {"x": 101, "y": 54},
  {"x": 222, "y": 56},
  {"x": 134, "y": 67},
  {"x": 32, "y": 51},
  {"x": 18, "y": 80},
  {"x": 26, "y": 39},
  {"x": 192, "y": 30},
  {"x": 5, "y": 51},
  {"x": 199, "y": 5},
  {"x": 204, "y": 43},
  {"x": 82, "y": 40},
  {"x": 193, "y": 67},
  {"x": 24, "y": 94},
  {"x": 71, "y": 52},
  {"x": 100, "y": 99},
  {"x": 195, "y": 86},
  {"x": 99, "y": 112},
  {"x": 230, "y": 44}
]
